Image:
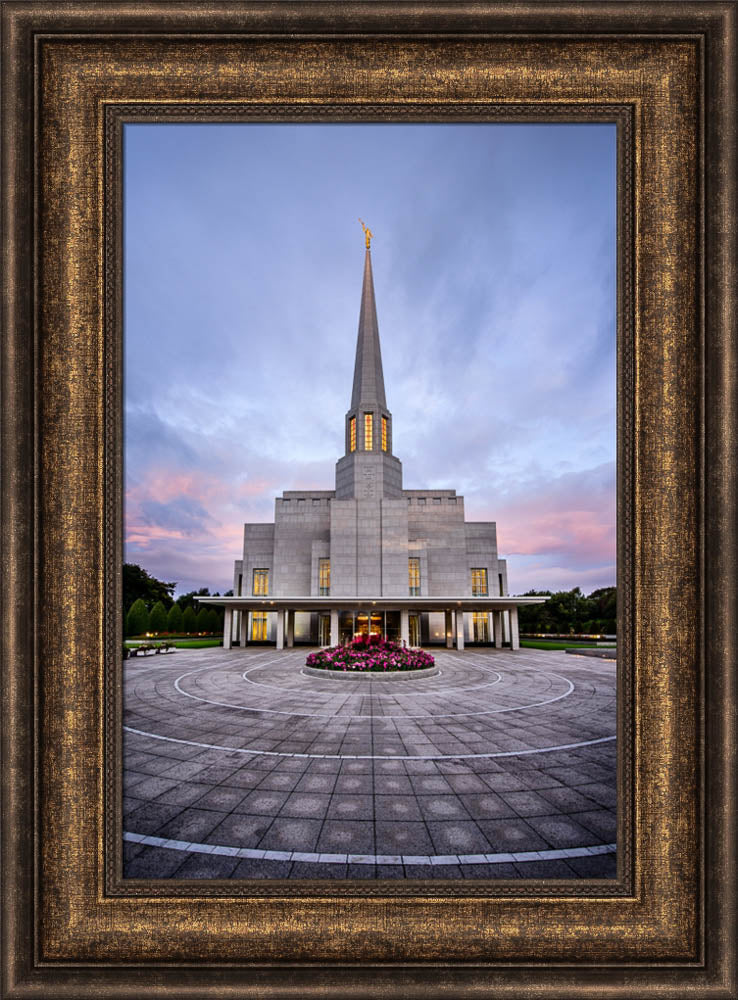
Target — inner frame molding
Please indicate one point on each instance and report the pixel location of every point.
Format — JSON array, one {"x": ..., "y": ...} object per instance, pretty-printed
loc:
[
  {"x": 669, "y": 922},
  {"x": 116, "y": 116}
]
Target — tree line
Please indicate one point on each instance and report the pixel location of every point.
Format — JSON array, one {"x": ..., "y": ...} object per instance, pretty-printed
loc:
[
  {"x": 149, "y": 606},
  {"x": 568, "y": 612}
]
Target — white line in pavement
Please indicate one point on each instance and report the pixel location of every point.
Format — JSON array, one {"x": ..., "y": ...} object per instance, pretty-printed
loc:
[
  {"x": 369, "y": 756},
  {"x": 370, "y": 859},
  {"x": 333, "y": 715}
]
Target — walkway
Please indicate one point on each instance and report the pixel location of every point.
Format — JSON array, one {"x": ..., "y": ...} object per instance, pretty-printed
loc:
[{"x": 237, "y": 764}]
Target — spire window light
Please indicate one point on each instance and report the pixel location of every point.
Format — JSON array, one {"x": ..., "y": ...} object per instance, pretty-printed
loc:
[
  {"x": 384, "y": 433},
  {"x": 368, "y": 432},
  {"x": 352, "y": 434}
]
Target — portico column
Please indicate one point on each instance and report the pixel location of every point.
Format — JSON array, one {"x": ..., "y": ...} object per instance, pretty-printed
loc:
[
  {"x": 244, "y": 628},
  {"x": 449, "y": 629},
  {"x": 514, "y": 633},
  {"x": 280, "y": 629},
  {"x": 506, "y": 626},
  {"x": 459, "y": 629},
  {"x": 405, "y": 627},
  {"x": 497, "y": 617},
  {"x": 490, "y": 627},
  {"x": 227, "y": 626},
  {"x": 290, "y": 629},
  {"x": 334, "y": 627}
]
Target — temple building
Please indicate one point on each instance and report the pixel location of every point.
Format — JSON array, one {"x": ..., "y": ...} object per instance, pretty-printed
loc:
[{"x": 370, "y": 556}]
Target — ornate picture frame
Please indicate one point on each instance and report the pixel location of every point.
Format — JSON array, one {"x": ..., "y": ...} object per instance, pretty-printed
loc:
[{"x": 72, "y": 74}]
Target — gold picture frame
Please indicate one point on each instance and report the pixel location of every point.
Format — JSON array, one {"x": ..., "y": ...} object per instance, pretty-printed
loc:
[{"x": 72, "y": 74}]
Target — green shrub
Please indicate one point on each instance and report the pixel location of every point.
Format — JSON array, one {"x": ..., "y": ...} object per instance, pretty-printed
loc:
[
  {"x": 137, "y": 621},
  {"x": 203, "y": 620},
  {"x": 188, "y": 621},
  {"x": 174, "y": 619},
  {"x": 158, "y": 618}
]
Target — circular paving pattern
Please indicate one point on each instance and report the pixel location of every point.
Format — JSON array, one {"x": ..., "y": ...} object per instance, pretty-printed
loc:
[{"x": 240, "y": 764}]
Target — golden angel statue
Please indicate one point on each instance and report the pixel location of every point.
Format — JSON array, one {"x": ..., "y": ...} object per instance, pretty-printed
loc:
[{"x": 367, "y": 233}]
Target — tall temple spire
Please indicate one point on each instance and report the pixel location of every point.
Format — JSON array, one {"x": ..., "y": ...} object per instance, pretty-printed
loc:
[
  {"x": 368, "y": 386},
  {"x": 368, "y": 469}
]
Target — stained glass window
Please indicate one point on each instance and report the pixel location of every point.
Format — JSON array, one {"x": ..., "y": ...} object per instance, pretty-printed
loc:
[
  {"x": 324, "y": 577},
  {"x": 479, "y": 583},
  {"x": 261, "y": 582},
  {"x": 413, "y": 567},
  {"x": 352, "y": 434},
  {"x": 368, "y": 432},
  {"x": 384, "y": 434}
]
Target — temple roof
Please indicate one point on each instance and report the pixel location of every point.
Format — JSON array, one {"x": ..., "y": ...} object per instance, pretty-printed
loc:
[{"x": 368, "y": 389}]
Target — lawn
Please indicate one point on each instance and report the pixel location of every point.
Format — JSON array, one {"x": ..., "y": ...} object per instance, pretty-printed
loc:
[{"x": 180, "y": 643}]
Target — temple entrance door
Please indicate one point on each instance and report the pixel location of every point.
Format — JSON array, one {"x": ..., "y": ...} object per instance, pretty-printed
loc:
[
  {"x": 414, "y": 623},
  {"x": 324, "y": 630},
  {"x": 370, "y": 624}
]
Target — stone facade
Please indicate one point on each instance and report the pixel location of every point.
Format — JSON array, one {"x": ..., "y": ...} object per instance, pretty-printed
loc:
[{"x": 368, "y": 528}]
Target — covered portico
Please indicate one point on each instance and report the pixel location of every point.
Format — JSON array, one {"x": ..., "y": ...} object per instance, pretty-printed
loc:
[{"x": 370, "y": 611}]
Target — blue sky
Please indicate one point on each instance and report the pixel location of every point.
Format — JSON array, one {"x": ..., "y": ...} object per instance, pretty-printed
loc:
[{"x": 494, "y": 269}]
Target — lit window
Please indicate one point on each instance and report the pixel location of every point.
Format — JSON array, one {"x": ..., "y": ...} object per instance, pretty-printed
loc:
[
  {"x": 413, "y": 569},
  {"x": 258, "y": 626},
  {"x": 261, "y": 582},
  {"x": 352, "y": 434},
  {"x": 480, "y": 626},
  {"x": 368, "y": 432},
  {"x": 479, "y": 583},
  {"x": 384, "y": 434},
  {"x": 324, "y": 577}
]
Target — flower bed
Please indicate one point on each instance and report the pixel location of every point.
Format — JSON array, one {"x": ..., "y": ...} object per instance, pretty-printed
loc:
[{"x": 370, "y": 654}]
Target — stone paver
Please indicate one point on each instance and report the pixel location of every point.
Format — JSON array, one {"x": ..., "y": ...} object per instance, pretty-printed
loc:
[{"x": 239, "y": 765}]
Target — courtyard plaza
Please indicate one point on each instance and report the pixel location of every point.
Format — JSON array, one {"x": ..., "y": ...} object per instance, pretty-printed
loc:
[{"x": 240, "y": 763}]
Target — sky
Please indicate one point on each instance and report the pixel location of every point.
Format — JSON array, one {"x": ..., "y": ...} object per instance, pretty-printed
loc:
[{"x": 494, "y": 271}]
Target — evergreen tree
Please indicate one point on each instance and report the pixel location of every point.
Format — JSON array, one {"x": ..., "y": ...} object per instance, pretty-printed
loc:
[
  {"x": 203, "y": 620},
  {"x": 158, "y": 618},
  {"x": 174, "y": 619},
  {"x": 138, "y": 618},
  {"x": 212, "y": 620}
]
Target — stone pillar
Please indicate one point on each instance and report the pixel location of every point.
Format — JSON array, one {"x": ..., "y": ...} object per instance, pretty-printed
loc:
[
  {"x": 334, "y": 628},
  {"x": 506, "y": 626},
  {"x": 497, "y": 618},
  {"x": 227, "y": 626},
  {"x": 490, "y": 627},
  {"x": 290, "y": 629},
  {"x": 280, "y": 629},
  {"x": 244, "y": 628},
  {"x": 449, "y": 618},
  {"x": 459, "y": 629},
  {"x": 514, "y": 633},
  {"x": 405, "y": 627}
]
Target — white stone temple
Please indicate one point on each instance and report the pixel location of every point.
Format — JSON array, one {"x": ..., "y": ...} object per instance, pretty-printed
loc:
[{"x": 370, "y": 556}]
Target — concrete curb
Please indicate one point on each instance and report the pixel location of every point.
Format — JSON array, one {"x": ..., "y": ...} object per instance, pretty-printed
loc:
[
  {"x": 600, "y": 654},
  {"x": 395, "y": 675}
]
